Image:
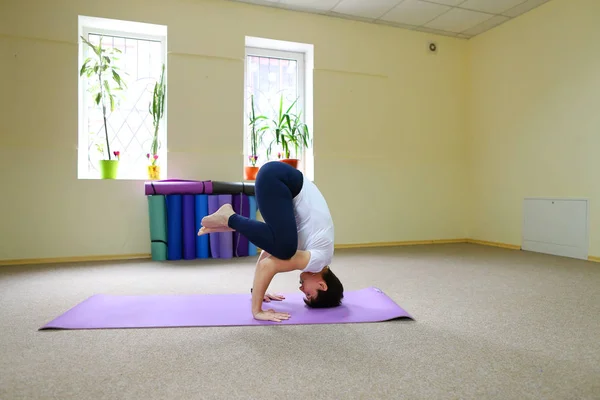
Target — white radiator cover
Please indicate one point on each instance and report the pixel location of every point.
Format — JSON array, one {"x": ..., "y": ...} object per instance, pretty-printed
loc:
[{"x": 557, "y": 226}]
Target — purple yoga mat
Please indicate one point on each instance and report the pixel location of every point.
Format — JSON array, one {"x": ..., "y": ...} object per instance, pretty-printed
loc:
[
  {"x": 189, "y": 227},
  {"x": 225, "y": 238},
  {"x": 241, "y": 205},
  {"x": 177, "y": 186},
  {"x": 162, "y": 311},
  {"x": 213, "y": 238}
]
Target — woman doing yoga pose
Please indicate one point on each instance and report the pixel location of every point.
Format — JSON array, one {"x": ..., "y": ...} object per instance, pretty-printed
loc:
[{"x": 297, "y": 235}]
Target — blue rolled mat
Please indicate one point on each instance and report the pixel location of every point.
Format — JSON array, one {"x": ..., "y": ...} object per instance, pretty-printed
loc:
[
  {"x": 241, "y": 205},
  {"x": 225, "y": 238},
  {"x": 174, "y": 229},
  {"x": 202, "y": 249},
  {"x": 189, "y": 227},
  {"x": 251, "y": 247},
  {"x": 213, "y": 206},
  {"x": 157, "y": 213}
]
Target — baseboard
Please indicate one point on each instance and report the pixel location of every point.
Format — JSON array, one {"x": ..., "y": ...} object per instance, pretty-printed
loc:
[
  {"x": 495, "y": 244},
  {"x": 121, "y": 257},
  {"x": 396, "y": 244},
  {"x": 63, "y": 260}
]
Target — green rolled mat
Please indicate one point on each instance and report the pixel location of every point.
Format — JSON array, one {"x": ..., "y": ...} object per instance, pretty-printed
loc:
[{"x": 157, "y": 210}]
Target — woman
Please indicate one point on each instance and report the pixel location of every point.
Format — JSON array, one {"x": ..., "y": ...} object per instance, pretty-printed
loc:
[{"x": 297, "y": 235}]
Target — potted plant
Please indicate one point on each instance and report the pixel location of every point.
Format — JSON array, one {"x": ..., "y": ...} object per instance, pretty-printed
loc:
[
  {"x": 295, "y": 136},
  {"x": 278, "y": 126},
  {"x": 101, "y": 67},
  {"x": 157, "y": 110},
  {"x": 289, "y": 132},
  {"x": 256, "y": 131}
]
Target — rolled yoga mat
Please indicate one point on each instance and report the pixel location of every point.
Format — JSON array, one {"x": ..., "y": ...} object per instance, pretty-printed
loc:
[
  {"x": 177, "y": 186},
  {"x": 213, "y": 238},
  {"x": 157, "y": 213},
  {"x": 189, "y": 227},
  {"x": 225, "y": 238},
  {"x": 252, "y": 251},
  {"x": 202, "y": 249},
  {"x": 219, "y": 187},
  {"x": 241, "y": 205},
  {"x": 174, "y": 228},
  {"x": 160, "y": 311},
  {"x": 182, "y": 186}
]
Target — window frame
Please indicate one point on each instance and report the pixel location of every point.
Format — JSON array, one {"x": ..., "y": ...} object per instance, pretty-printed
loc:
[
  {"x": 300, "y": 58},
  {"x": 82, "y": 156}
]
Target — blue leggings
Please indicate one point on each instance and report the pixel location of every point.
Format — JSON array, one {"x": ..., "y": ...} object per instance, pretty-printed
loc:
[{"x": 277, "y": 184}]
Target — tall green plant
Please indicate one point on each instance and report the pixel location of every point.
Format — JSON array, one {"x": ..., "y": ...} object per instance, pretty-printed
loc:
[
  {"x": 157, "y": 110},
  {"x": 296, "y": 134},
  {"x": 102, "y": 69},
  {"x": 257, "y": 129},
  {"x": 278, "y": 126},
  {"x": 289, "y": 131}
]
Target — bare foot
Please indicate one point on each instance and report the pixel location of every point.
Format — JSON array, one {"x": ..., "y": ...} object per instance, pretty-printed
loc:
[
  {"x": 205, "y": 231},
  {"x": 218, "y": 219}
]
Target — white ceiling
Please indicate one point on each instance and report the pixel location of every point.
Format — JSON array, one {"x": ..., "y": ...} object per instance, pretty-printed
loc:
[{"x": 457, "y": 18}]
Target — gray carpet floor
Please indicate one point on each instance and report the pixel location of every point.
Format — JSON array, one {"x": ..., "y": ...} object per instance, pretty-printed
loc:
[{"x": 490, "y": 324}]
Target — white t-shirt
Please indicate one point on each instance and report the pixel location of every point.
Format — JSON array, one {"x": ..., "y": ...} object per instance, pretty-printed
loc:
[{"x": 315, "y": 226}]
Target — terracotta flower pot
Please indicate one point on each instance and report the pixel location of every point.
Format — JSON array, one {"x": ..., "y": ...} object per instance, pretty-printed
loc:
[
  {"x": 250, "y": 173},
  {"x": 291, "y": 161}
]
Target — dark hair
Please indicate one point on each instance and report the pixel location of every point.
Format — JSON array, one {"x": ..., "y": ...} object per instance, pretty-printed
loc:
[{"x": 332, "y": 297}]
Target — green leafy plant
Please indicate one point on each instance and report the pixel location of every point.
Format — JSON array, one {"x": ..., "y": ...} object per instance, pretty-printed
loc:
[
  {"x": 278, "y": 127},
  {"x": 157, "y": 110},
  {"x": 289, "y": 131},
  {"x": 296, "y": 135},
  {"x": 101, "y": 67},
  {"x": 257, "y": 129}
]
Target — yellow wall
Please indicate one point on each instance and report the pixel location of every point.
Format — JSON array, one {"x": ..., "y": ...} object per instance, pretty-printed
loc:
[
  {"x": 390, "y": 123},
  {"x": 534, "y": 116}
]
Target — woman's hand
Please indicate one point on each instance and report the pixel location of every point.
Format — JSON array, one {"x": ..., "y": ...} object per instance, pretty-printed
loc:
[
  {"x": 277, "y": 297},
  {"x": 271, "y": 315}
]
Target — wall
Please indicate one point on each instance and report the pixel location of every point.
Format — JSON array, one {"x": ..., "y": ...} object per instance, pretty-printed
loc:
[
  {"x": 389, "y": 123},
  {"x": 534, "y": 119}
]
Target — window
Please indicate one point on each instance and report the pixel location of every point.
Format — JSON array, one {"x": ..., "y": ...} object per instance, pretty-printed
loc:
[
  {"x": 130, "y": 126},
  {"x": 278, "y": 71}
]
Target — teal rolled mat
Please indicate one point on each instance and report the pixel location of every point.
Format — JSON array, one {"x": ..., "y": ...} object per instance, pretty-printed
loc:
[{"x": 157, "y": 211}]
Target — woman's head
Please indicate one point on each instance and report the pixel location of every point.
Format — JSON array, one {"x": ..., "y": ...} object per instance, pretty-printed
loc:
[{"x": 322, "y": 290}]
